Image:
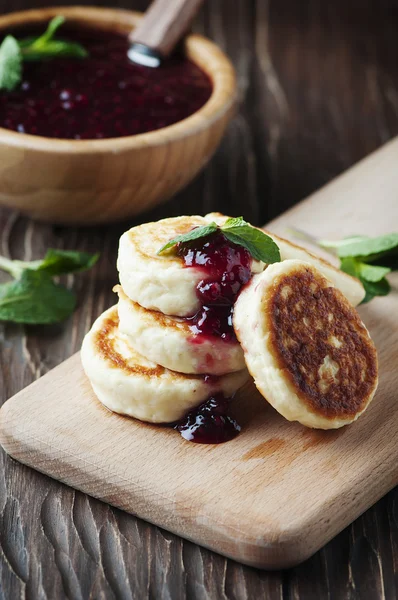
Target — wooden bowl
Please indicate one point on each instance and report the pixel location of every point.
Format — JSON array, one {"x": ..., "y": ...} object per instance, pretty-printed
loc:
[{"x": 96, "y": 181}]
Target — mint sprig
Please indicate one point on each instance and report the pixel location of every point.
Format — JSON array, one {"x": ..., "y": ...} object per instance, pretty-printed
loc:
[
  {"x": 372, "y": 278},
  {"x": 46, "y": 46},
  {"x": 258, "y": 243},
  {"x": 194, "y": 234},
  {"x": 14, "y": 52},
  {"x": 33, "y": 297},
  {"x": 369, "y": 248},
  {"x": 238, "y": 231}
]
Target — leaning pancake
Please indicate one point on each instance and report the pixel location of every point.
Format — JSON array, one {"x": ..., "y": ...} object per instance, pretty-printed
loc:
[
  {"x": 351, "y": 287},
  {"x": 127, "y": 383},
  {"x": 170, "y": 341},
  {"x": 309, "y": 353},
  {"x": 161, "y": 282}
]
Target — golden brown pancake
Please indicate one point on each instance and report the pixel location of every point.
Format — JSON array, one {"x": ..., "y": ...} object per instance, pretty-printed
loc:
[
  {"x": 173, "y": 343},
  {"x": 161, "y": 282},
  {"x": 309, "y": 352},
  {"x": 128, "y": 383},
  {"x": 322, "y": 344}
]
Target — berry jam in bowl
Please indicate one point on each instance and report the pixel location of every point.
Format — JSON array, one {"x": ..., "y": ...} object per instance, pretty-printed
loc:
[{"x": 98, "y": 139}]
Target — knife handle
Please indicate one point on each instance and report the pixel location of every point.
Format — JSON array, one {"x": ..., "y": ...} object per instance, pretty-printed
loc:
[{"x": 164, "y": 24}]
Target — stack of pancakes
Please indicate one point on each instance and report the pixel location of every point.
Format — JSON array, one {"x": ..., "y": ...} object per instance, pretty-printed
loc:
[
  {"x": 141, "y": 356},
  {"x": 300, "y": 337}
]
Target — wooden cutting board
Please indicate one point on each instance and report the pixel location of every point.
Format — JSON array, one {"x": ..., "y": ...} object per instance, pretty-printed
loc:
[{"x": 278, "y": 492}]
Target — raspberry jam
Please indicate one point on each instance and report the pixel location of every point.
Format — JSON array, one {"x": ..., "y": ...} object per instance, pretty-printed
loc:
[
  {"x": 101, "y": 96},
  {"x": 209, "y": 423},
  {"x": 226, "y": 268}
]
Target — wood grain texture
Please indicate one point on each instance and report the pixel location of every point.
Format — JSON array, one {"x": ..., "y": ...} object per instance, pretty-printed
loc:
[
  {"x": 318, "y": 90},
  {"x": 326, "y": 479},
  {"x": 101, "y": 181}
]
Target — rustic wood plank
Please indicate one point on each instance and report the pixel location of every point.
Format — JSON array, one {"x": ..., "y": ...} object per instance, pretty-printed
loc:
[{"x": 336, "y": 68}]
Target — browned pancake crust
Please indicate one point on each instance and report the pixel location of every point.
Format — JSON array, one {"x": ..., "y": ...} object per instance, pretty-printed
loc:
[
  {"x": 303, "y": 333},
  {"x": 161, "y": 319},
  {"x": 105, "y": 345},
  {"x": 160, "y": 233},
  {"x": 104, "y": 342}
]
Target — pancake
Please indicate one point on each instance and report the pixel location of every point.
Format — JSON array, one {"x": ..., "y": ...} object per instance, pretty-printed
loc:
[
  {"x": 161, "y": 282},
  {"x": 170, "y": 342},
  {"x": 129, "y": 384},
  {"x": 310, "y": 354},
  {"x": 351, "y": 287}
]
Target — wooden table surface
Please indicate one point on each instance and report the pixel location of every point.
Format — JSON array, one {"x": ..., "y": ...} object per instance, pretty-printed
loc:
[{"x": 319, "y": 90}]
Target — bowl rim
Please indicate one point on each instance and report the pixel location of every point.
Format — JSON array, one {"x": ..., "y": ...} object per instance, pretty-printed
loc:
[{"x": 197, "y": 47}]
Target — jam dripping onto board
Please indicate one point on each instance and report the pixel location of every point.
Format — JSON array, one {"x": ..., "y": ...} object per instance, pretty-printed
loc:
[{"x": 209, "y": 423}]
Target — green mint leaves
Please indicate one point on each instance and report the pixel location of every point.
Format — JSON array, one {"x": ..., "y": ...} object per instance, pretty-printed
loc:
[
  {"x": 50, "y": 32},
  {"x": 194, "y": 234},
  {"x": 238, "y": 231},
  {"x": 371, "y": 249},
  {"x": 60, "y": 262},
  {"x": 372, "y": 277},
  {"x": 13, "y": 52},
  {"x": 46, "y": 46},
  {"x": 33, "y": 297},
  {"x": 10, "y": 64},
  {"x": 369, "y": 259},
  {"x": 258, "y": 243}
]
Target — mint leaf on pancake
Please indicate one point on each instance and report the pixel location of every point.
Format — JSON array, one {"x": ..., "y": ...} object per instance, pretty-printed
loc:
[{"x": 194, "y": 234}]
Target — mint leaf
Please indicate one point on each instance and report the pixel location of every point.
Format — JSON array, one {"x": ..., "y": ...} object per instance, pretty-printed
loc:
[
  {"x": 55, "y": 262},
  {"x": 10, "y": 64},
  {"x": 194, "y": 234},
  {"x": 357, "y": 252},
  {"x": 54, "y": 49},
  {"x": 372, "y": 289},
  {"x": 46, "y": 47},
  {"x": 13, "y": 52},
  {"x": 35, "y": 299},
  {"x": 59, "y": 262},
  {"x": 336, "y": 244},
  {"x": 372, "y": 278},
  {"x": 234, "y": 222},
  {"x": 365, "y": 247},
  {"x": 350, "y": 266},
  {"x": 372, "y": 273},
  {"x": 51, "y": 30},
  {"x": 258, "y": 243},
  {"x": 238, "y": 231}
]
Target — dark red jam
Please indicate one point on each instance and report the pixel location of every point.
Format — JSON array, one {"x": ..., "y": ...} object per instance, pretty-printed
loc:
[
  {"x": 102, "y": 96},
  {"x": 226, "y": 268},
  {"x": 209, "y": 423}
]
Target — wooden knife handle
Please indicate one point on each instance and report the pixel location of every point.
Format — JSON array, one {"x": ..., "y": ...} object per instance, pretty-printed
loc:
[{"x": 165, "y": 23}]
